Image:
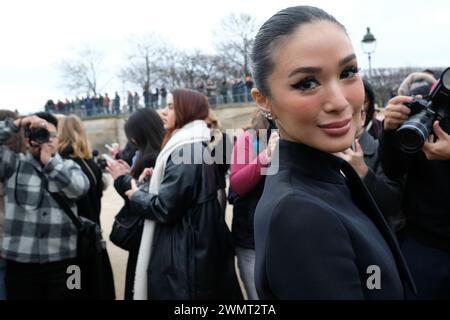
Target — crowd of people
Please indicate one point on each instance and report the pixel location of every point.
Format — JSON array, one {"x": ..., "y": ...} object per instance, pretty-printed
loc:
[
  {"x": 346, "y": 211},
  {"x": 103, "y": 105},
  {"x": 223, "y": 92}
]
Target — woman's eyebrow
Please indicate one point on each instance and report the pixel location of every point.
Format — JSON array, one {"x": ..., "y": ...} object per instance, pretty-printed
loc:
[
  {"x": 318, "y": 69},
  {"x": 305, "y": 70},
  {"x": 347, "y": 59}
]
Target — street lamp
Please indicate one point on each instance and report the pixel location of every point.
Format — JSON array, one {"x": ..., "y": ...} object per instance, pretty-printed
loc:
[{"x": 369, "y": 43}]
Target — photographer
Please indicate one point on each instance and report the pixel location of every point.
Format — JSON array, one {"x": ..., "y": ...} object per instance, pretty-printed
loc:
[
  {"x": 39, "y": 240},
  {"x": 425, "y": 241}
]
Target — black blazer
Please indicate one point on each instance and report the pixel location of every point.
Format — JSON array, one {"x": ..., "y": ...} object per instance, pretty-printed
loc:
[{"x": 317, "y": 233}]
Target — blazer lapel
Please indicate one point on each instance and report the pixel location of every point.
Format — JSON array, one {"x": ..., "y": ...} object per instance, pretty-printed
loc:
[{"x": 362, "y": 194}]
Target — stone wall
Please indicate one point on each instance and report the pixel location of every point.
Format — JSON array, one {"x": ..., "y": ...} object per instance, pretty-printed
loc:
[{"x": 109, "y": 129}]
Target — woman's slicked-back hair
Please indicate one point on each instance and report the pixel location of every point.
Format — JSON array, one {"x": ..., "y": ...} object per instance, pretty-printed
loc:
[
  {"x": 189, "y": 105},
  {"x": 282, "y": 24}
]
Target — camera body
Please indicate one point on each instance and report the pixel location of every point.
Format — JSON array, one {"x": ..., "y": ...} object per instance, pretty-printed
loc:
[
  {"x": 38, "y": 135},
  {"x": 413, "y": 133}
]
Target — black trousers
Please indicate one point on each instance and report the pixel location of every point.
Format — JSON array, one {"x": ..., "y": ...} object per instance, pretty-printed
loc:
[
  {"x": 129, "y": 278},
  {"x": 34, "y": 281},
  {"x": 430, "y": 269}
]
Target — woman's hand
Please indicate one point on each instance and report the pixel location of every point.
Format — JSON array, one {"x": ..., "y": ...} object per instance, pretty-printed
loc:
[
  {"x": 133, "y": 189},
  {"x": 396, "y": 112},
  {"x": 117, "y": 168},
  {"x": 146, "y": 173},
  {"x": 125, "y": 164},
  {"x": 356, "y": 159}
]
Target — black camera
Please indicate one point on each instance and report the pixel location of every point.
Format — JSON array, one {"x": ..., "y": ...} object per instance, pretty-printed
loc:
[
  {"x": 424, "y": 112},
  {"x": 38, "y": 135}
]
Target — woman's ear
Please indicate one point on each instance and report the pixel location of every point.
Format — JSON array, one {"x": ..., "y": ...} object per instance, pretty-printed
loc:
[{"x": 261, "y": 101}]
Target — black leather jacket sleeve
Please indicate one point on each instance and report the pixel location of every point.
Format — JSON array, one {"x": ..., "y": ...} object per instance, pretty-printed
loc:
[
  {"x": 176, "y": 194},
  {"x": 123, "y": 184}
]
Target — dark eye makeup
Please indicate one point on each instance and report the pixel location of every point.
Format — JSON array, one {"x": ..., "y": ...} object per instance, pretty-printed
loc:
[{"x": 311, "y": 82}]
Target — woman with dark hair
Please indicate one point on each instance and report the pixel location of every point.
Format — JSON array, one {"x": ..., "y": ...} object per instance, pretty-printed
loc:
[
  {"x": 371, "y": 124},
  {"x": 318, "y": 232},
  {"x": 186, "y": 250},
  {"x": 144, "y": 130}
]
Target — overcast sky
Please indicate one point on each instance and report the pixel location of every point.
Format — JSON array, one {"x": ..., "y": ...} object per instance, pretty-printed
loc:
[{"x": 36, "y": 35}]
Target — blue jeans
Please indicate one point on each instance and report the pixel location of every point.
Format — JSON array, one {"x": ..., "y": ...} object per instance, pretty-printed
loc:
[
  {"x": 246, "y": 264},
  {"x": 2, "y": 279}
]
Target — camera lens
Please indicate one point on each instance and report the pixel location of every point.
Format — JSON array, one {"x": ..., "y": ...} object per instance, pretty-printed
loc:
[
  {"x": 42, "y": 135},
  {"x": 38, "y": 135},
  {"x": 414, "y": 132}
]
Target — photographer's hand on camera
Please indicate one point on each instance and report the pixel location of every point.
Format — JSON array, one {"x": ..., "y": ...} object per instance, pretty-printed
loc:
[
  {"x": 46, "y": 152},
  {"x": 396, "y": 112},
  {"x": 439, "y": 149},
  {"x": 42, "y": 151},
  {"x": 30, "y": 122}
]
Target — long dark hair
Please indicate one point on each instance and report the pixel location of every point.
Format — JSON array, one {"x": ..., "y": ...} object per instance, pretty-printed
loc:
[
  {"x": 370, "y": 97},
  {"x": 145, "y": 129},
  {"x": 189, "y": 105},
  {"x": 282, "y": 24}
]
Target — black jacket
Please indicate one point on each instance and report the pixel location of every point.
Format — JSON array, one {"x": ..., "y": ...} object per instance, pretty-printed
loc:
[
  {"x": 317, "y": 233},
  {"x": 90, "y": 205},
  {"x": 192, "y": 255},
  {"x": 123, "y": 184},
  {"x": 386, "y": 192},
  {"x": 244, "y": 207},
  {"x": 427, "y": 187}
]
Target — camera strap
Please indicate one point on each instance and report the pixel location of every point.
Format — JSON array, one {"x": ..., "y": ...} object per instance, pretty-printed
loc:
[
  {"x": 61, "y": 201},
  {"x": 90, "y": 170}
]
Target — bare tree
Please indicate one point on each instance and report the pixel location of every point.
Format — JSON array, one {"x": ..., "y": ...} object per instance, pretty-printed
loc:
[
  {"x": 188, "y": 68},
  {"x": 81, "y": 74},
  {"x": 234, "y": 40},
  {"x": 146, "y": 60},
  {"x": 385, "y": 82}
]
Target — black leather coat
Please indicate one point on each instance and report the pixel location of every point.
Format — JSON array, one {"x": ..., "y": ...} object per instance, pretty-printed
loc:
[{"x": 192, "y": 255}]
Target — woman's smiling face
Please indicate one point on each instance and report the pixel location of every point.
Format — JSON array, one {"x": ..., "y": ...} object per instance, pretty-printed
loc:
[{"x": 316, "y": 93}]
